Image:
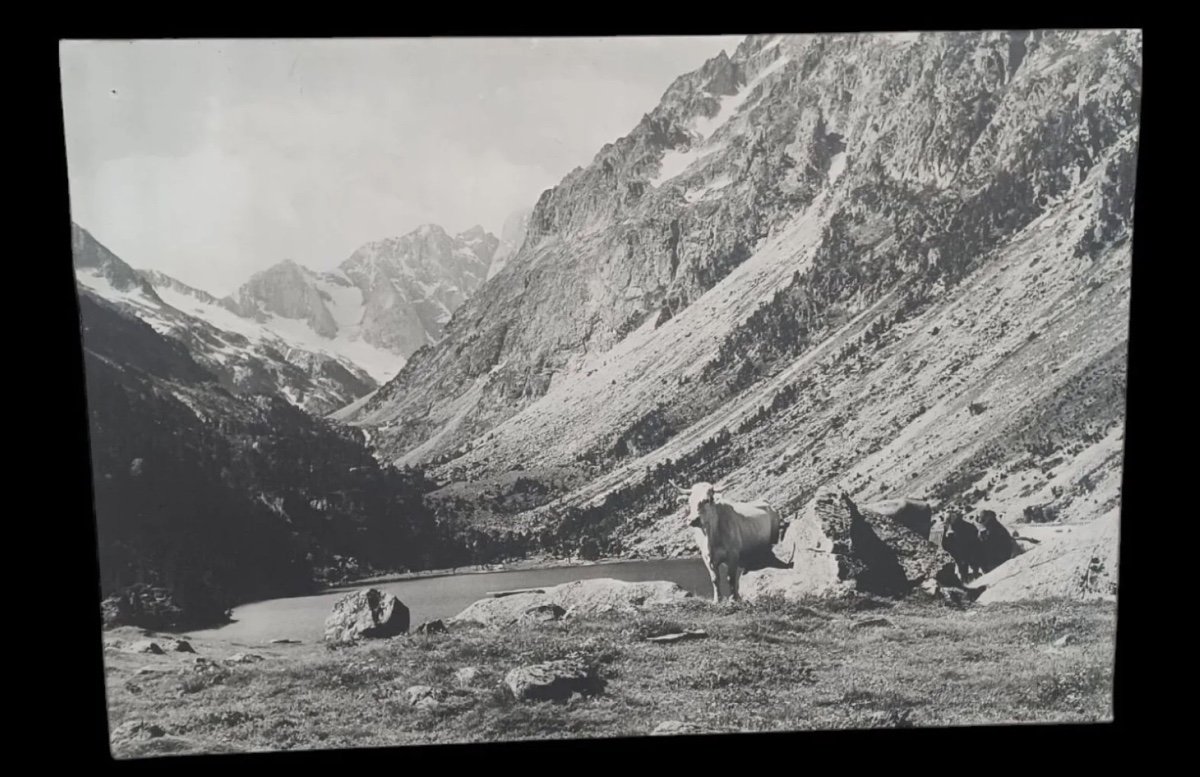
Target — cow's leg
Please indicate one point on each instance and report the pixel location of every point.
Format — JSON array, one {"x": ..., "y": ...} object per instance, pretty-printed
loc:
[
  {"x": 714, "y": 573},
  {"x": 735, "y": 578}
]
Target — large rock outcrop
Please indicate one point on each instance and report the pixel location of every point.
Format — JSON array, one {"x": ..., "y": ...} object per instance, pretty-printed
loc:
[
  {"x": 580, "y": 598},
  {"x": 1078, "y": 563},
  {"x": 837, "y": 547}
]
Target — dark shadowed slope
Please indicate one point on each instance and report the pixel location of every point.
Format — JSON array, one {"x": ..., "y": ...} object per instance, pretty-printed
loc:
[{"x": 224, "y": 497}]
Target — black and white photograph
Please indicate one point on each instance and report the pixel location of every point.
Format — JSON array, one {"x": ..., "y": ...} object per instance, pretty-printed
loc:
[{"x": 460, "y": 390}]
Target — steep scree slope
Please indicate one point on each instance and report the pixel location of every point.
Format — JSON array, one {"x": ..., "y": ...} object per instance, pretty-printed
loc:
[{"x": 900, "y": 262}]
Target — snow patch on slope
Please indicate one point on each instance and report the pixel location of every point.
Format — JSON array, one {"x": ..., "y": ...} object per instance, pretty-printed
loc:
[
  {"x": 731, "y": 104},
  {"x": 674, "y": 162}
]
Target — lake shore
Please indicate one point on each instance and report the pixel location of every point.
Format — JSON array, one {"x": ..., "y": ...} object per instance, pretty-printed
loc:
[{"x": 522, "y": 565}]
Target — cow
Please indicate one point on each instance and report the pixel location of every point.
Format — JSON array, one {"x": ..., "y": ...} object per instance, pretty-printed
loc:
[
  {"x": 960, "y": 538},
  {"x": 996, "y": 542},
  {"x": 737, "y": 535}
]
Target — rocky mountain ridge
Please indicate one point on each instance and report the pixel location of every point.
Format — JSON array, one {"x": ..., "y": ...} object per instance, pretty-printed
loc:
[
  {"x": 899, "y": 262},
  {"x": 320, "y": 340}
]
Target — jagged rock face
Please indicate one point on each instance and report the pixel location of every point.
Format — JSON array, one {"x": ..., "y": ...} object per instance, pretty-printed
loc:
[
  {"x": 158, "y": 279},
  {"x": 832, "y": 170},
  {"x": 287, "y": 290},
  {"x": 412, "y": 285},
  {"x": 244, "y": 356},
  {"x": 320, "y": 340}
]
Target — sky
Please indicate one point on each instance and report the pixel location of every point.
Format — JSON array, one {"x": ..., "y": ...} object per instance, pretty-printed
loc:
[{"x": 212, "y": 160}]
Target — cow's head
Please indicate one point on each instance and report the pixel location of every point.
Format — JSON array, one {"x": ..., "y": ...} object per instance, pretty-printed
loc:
[
  {"x": 696, "y": 497},
  {"x": 986, "y": 522}
]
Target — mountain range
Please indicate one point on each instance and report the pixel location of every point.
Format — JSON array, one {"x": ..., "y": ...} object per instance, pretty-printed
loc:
[
  {"x": 320, "y": 340},
  {"x": 895, "y": 263},
  {"x": 898, "y": 262}
]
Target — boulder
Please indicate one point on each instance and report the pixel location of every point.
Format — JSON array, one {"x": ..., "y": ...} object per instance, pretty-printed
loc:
[
  {"x": 1081, "y": 564},
  {"x": 366, "y": 614},
  {"x": 581, "y": 598},
  {"x": 554, "y": 680},
  {"x": 183, "y": 646},
  {"x": 146, "y": 646},
  {"x": 836, "y": 547},
  {"x": 437, "y": 626}
]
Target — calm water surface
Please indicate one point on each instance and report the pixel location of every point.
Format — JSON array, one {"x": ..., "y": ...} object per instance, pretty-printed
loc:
[{"x": 303, "y": 617}]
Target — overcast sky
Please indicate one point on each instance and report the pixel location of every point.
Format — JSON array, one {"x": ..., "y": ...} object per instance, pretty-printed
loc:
[{"x": 211, "y": 160}]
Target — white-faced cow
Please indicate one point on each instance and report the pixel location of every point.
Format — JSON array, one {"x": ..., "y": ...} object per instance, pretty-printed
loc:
[{"x": 730, "y": 534}]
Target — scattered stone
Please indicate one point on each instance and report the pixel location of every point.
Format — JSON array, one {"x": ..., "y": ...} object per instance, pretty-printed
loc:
[
  {"x": 437, "y": 626},
  {"x": 673, "y": 727},
  {"x": 201, "y": 660},
  {"x": 366, "y": 614},
  {"x": 149, "y": 670},
  {"x": 1064, "y": 640},
  {"x": 676, "y": 637},
  {"x": 136, "y": 730},
  {"x": 146, "y": 646},
  {"x": 554, "y": 680},
  {"x": 182, "y": 646},
  {"x": 465, "y": 677},
  {"x": 422, "y": 697},
  {"x": 285, "y": 642},
  {"x": 245, "y": 658}
]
